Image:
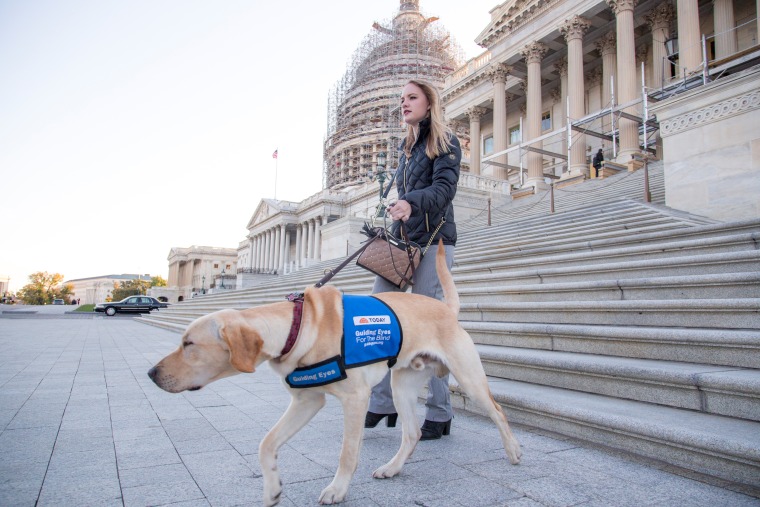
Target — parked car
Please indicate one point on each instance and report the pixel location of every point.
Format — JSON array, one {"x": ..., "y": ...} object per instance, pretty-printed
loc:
[
  {"x": 132, "y": 304},
  {"x": 58, "y": 301}
]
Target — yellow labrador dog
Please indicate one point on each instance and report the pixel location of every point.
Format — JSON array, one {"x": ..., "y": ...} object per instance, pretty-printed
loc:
[{"x": 229, "y": 342}]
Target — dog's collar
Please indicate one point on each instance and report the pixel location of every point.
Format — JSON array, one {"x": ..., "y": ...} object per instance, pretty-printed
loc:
[{"x": 297, "y": 299}]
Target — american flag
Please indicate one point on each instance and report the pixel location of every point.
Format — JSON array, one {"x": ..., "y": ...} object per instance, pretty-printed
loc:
[{"x": 274, "y": 155}]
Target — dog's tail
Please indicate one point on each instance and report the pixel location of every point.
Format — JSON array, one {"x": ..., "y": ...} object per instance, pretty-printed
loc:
[{"x": 447, "y": 281}]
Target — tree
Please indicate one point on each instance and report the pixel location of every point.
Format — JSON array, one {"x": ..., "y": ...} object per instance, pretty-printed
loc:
[
  {"x": 157, "y": 281},
  {"x": 43, "y": 288},
  {"x": 129, "y": 288}
]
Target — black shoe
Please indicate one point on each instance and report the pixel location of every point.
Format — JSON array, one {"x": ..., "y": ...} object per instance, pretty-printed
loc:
[
  {"x": 372, "y": 419},
  {"x": 432, "y": 430}
]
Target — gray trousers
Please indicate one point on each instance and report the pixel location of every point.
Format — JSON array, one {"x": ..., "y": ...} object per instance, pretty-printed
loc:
[{"x": 426, "y": 283}]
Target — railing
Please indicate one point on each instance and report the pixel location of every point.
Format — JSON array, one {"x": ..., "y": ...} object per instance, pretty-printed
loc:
[
  {"x": 476, "y": 182},
  {"x": 675, "y": 78},
  {"x": 256, "y": 271},
  {"x": 467, "y": 70}
]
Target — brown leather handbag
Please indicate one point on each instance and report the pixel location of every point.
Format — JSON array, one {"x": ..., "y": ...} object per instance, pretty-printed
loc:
[{"x": 392, "y": 259}]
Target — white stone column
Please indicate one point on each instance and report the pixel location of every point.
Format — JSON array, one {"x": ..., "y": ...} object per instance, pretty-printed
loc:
[
  {"x": 318, "y": 238},
  {"x": 725, "y": 35},
  {"x": 626, "y": 76},
  {"x": 475, "y": 114},
  {"x": 533, "y": 54},
  {"x": 498, "y": 74},
  {"x": 561, "y": 67},
  {"x": 260, "y": 259},
  {"x": 272, "y": 250},
  {"x": 606, "y": 46},
  {"x": 267, "y": 244},
  {"x": 310, "y": 245},
  {"x": 288, "y": 267},
  {"x": 306, "y": 239},
  {"x": 276, "y": 248},
  {"x": 573, "y": 31},
  {"x": 299, "y": 239},
  {"x": 593, "y": 83},
  {"x": 689, "y": 45},
  {"x": 659, "y": 21},
  {"x": 281, "y": 233},
  {"x": 251, "y": 251}
]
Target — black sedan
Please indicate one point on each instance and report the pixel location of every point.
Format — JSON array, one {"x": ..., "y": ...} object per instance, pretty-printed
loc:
[{"x": 132, "y": 304}]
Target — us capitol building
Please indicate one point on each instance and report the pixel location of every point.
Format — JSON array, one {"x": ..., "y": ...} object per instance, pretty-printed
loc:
[{"x": 674, "y": 81}]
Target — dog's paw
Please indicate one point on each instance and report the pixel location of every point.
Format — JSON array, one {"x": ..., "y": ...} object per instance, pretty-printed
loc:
[
  {"x": 332, "y": 494},
  {"x": 386, "y": 471},
  {"x": 514, "y": 453},
  {"x": 272, "y": 494}
]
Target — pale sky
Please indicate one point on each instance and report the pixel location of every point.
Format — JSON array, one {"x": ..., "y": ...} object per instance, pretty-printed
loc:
[{"x": 131, "y": 127}]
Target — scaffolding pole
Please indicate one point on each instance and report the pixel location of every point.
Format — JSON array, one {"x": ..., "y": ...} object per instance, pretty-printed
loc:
[{"x": 616, "y": 111}]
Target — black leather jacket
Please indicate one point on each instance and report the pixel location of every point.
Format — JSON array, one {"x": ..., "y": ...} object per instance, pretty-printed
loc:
[{"x": 429, "y": 187}]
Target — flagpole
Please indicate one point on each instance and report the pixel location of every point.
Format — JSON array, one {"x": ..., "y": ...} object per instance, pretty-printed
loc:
[{"x": 275, "y": 155}]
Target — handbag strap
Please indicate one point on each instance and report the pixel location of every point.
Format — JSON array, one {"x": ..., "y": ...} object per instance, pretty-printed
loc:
[
  {"x": 409, "y": 253},
  {"x": 332, "y": 272}
]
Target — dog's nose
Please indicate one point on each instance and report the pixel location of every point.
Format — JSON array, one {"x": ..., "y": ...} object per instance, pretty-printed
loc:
[{"x": 153, "y": 373}]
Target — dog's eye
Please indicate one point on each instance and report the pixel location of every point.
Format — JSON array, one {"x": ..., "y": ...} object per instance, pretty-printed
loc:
[{"x": 187, "y": 344}]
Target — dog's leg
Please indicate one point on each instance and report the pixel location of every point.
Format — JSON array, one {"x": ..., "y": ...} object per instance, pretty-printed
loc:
[
  {"x": 304, "y": 404},
  {"x": 465, "y": 364},
  {"x": 354, "y": 408},
  {"x": 406, "y": 383}
]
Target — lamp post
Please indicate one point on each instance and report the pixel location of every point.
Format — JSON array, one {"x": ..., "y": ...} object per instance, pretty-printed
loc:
[
  {"x": 380, "y": 175},
  {"x": 203, "y": 284},
  {"x": 222, "y": 285}
]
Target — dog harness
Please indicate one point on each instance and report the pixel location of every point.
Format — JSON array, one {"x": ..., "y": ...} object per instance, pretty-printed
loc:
[{"x": 371, "y": 333}]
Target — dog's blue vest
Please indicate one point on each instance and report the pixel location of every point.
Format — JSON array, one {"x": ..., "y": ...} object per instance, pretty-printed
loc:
[{"x": 371, "y": 333}]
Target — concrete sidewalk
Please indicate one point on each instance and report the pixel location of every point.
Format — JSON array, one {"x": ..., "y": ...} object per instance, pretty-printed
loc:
[{"x": 83, "y": 425}]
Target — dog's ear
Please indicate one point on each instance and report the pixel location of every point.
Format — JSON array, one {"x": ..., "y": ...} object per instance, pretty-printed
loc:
[{"x": 244, "y": 344}]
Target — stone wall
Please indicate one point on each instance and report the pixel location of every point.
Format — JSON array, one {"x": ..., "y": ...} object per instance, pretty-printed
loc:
[{"x": 711, "y": 148}]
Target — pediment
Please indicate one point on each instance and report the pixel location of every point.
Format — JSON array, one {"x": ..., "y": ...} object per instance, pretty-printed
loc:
[
  {"x": 265, "y": 209},
  {"x": 504, "y": 17}
]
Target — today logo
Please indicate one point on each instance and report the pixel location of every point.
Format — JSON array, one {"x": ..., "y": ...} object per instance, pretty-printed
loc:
[{"x": 364, "y": 320}]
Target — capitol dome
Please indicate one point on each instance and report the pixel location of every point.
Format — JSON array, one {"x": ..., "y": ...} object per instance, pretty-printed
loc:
[{"x": 363, "y": 108}]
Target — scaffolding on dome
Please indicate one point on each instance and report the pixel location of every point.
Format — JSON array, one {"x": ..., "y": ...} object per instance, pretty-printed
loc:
[{"x": 363, "y": 114}]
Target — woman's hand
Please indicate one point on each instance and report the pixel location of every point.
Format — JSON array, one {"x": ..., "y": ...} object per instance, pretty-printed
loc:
[{"x": 399, "y": 210}]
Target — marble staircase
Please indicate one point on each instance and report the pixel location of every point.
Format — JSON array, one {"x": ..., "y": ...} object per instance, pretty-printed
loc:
[{"x": 620, "y": 322}]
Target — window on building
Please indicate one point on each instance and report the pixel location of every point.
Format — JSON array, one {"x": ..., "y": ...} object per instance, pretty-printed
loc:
[
  {"x": 216, "y": 265},
  {"x": 546, "y": 121},
  {"x": 488, "y": 145},
  {"x": 228, "y": 266},
  {"x": 514, "y": 134}
]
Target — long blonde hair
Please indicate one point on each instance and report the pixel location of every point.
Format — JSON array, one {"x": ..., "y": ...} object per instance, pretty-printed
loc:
[{"x": 438, "y": 139}]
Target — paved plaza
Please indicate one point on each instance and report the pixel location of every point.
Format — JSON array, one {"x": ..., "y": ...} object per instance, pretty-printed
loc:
[{"x": 83, "y": 425}]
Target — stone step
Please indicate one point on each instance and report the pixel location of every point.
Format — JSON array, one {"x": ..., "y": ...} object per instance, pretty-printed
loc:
[
  {"x": 509, "y": 272},
  {"x": 715, "y": 445},
  {"x": 700, "y": 387},
  {"x": 497, "y": 246},
  {"x": 176, "y": 327},
  {"x": 662, "y": 250},
  {"x": 628, "y": 186},
  {"x": 489, "y": 274},
  {"x": 598, "y": 218},
  {"x": 740, "y": 313},
  {"x": 720, "y": 286},
  {"x": 714, "y": 345}
]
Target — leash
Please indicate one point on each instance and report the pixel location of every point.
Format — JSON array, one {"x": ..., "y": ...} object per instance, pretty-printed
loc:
[{"x": 297, "y": 297}]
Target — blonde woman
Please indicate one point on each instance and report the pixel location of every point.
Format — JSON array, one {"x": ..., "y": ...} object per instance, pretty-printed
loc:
[{"x": 426, "y": 181}]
